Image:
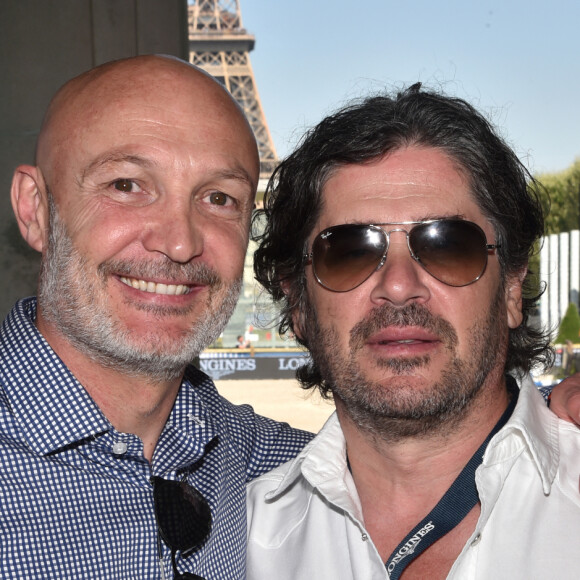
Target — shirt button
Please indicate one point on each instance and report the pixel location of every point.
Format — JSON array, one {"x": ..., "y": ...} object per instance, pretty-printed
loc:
[
  {"x": 119, "y": 448},
  {"x": 475, "y": 540},
  {"x": 364, "y": 537}
]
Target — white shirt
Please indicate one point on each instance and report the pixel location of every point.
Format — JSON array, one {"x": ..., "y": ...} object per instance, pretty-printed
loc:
[{"x": 305, "y": 519}]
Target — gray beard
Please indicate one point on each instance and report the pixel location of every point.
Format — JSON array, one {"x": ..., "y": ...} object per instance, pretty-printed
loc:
[
  {"x": 74, "y": 301},
  {"x": 394, "y": 411}
]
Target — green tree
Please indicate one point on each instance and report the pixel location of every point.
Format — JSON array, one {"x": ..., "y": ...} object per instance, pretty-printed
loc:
[
  {"x": 569, "y": 326},
  {"x": 562, "y": 199}
]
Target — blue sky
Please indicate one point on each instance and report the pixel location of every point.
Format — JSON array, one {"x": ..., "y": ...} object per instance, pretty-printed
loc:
[{"x": 517, "y": 61}]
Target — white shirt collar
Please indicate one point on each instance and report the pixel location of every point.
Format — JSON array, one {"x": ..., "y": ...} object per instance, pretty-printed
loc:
[{"x": 535, "y": 428}]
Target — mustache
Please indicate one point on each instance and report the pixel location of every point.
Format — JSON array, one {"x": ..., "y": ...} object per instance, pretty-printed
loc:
[
  {"x": 410, "y": 315},
  {"x": 190, "y": 273}
]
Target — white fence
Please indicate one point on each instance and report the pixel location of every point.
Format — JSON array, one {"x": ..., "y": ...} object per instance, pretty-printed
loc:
[{"x": 560, "y": 269}]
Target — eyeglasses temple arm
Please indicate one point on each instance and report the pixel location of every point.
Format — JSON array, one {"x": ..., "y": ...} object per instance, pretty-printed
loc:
[{"x": 160, "y": 552}]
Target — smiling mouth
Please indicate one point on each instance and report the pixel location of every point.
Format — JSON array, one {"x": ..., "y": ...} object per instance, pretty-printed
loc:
[{"x": 156, "y": 288}]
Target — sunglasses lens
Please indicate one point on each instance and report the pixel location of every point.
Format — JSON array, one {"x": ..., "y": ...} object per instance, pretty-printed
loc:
[
  {"x": 183, "y": 514},
  {"x": 344, "y": 256},
  {"x": 453, "y": 251}
]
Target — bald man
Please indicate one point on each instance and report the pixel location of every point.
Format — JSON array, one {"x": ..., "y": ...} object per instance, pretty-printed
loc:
[{"x": 118, "y": 459}]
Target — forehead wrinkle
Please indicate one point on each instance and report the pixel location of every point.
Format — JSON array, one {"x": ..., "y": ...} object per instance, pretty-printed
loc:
[
  {"x": 114, "y": 158},
  {"x": 391, "y": 189}
]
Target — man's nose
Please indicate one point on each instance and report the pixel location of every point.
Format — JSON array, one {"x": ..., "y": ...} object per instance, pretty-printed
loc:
[
  {"x": 400, "y": 280},
  {"x": 174, "y": 231}
]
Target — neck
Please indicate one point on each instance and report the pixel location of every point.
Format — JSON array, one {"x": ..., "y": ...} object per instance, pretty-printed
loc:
[
  {"x": 422, "y": 467},
  {"x": 132, "y": 403},
  {"x": 400, "y": 482}
]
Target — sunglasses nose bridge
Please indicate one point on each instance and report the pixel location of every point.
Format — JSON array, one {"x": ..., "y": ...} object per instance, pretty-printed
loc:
[
  {"x": 387, "y": 234},
  {"x": 385, "y": 251}
]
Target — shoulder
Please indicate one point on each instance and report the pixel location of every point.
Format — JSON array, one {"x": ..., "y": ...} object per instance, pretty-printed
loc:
[
  {"x": 320, "y": 465},
  {"x": 277, "y": 502},
  {"x": 535, "y": 435},
  {"x": 262, "y": 442}
]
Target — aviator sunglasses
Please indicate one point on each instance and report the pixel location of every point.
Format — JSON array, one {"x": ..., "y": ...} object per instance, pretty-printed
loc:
[
  {"x": 454, "y": 251},
  {"x": 183, "y": 518}
]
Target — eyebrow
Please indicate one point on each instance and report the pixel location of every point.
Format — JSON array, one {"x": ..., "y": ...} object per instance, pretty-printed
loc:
[
  {"x": 437, "y": 217},
  {"x": 236, "y": 175},
  {"x": 113, "y": 158},
  {"x": 426, "y": 218}
]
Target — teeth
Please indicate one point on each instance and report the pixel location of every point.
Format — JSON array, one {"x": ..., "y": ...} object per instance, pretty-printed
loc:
[{"x": 168, "y": 289}]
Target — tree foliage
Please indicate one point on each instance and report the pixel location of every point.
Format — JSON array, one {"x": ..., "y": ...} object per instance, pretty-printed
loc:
[
  {"x": 569, "y": 326},
  {"x": 562, "y": 200}
]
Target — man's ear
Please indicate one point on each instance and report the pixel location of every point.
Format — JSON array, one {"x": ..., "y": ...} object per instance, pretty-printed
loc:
[
  {"x": 513, "y": 298},
  {"x": 30, "y": 205}
]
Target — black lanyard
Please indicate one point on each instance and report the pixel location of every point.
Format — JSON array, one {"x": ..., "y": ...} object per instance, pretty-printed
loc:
[{"x": 457, "y": 502}]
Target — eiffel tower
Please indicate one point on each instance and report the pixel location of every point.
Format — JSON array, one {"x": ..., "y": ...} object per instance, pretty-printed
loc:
[{"x": 220, "y": 45}]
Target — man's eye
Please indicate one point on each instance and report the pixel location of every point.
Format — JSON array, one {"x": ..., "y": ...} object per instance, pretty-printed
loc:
[
  {"x": 124, "y": 185},
  {"x": 218, "y": 198}
]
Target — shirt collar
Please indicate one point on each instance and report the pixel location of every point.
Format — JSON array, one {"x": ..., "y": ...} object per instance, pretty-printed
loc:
[
  {"x": 533, "y": 428},
  {"x": 322, "y": 460},
  {"x": 54, "y": 411},
  {"x": 190, "y": 428},
  {"x": 532, "y": 425},
  {"x": 51, "y": 406}
]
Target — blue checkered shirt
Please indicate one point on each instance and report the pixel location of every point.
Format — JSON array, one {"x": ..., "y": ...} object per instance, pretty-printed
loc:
[{"x": 70, "y": 507}]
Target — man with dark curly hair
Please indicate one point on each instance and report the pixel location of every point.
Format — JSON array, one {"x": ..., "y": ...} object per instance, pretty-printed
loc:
[{"x": 397, "y": 239}]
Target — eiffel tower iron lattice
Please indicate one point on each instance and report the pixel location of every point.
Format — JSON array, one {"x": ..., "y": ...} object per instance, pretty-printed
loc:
[{"x": 220, "y": 45}]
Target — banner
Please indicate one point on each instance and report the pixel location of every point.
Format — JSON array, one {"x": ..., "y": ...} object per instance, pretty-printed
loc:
[{"x": 251, "y": 364}]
